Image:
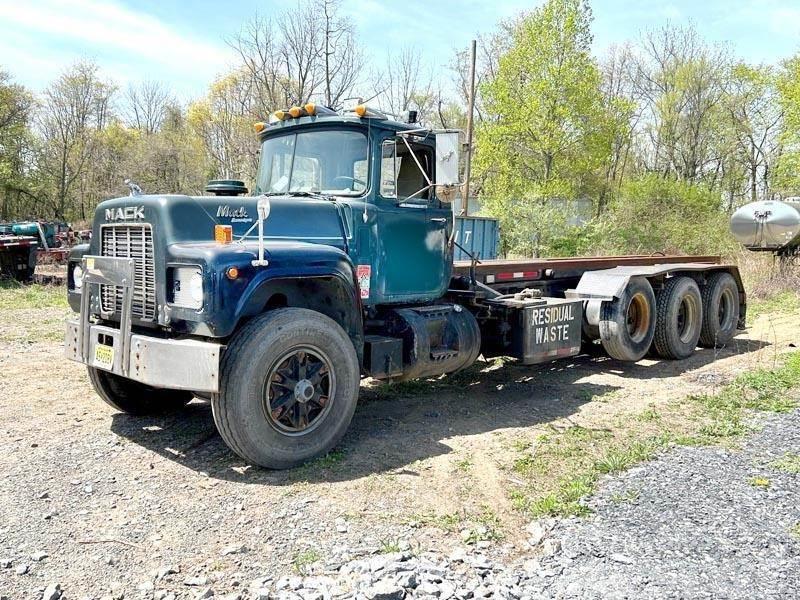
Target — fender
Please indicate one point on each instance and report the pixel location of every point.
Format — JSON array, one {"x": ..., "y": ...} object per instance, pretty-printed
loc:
[
  {"x": 313, "y": 276},
  {"x": 301, "y": 274},
  {"x": 597, "y": 287}
]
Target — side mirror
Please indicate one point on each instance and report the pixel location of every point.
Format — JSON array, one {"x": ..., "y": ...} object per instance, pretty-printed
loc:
[
  {"x": 263, "y": 208},
  {"x": 447, "y": 158}
]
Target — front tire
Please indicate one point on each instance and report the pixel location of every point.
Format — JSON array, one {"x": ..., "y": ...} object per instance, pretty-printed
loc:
[
  {"x": 134, "y": 398},
  {"x": 288, "y": 388}
]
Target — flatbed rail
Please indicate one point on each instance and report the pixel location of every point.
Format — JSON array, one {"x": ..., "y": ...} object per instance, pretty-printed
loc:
[{"x": 496, "y": 271}]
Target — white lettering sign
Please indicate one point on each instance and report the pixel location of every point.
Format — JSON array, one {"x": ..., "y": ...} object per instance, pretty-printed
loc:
[{"x": 551, "y": 323}]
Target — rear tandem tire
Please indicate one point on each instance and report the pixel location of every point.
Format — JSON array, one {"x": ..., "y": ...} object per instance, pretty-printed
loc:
[
  {"x": 627, "y": 324},
  {"x": 720, "y": 310},
  {"x": 134, "y": 398},
  {"x": 679, "y": 318},
  {"x": 288, "y": 388}
]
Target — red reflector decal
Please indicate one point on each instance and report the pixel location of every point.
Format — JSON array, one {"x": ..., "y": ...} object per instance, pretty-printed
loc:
[{"x": 517, "y": 275}]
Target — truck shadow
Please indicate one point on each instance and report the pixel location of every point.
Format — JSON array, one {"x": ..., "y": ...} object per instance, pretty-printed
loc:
[{"x": 396, "y": 425}]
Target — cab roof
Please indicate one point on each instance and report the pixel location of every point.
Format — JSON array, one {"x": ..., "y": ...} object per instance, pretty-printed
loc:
[{"x": 348, "y": 119}]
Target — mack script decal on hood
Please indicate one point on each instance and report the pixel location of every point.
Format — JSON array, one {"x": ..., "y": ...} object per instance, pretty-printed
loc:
[{"x": 129, "y": 213}]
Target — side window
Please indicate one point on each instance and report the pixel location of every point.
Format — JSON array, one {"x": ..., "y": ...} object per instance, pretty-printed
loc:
[
  {"x": 389, "y": 167},
  {"x": 404, "y": 175}
]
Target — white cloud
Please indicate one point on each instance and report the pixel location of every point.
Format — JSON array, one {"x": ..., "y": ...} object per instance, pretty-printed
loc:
[{"x": 46, "y": 35}]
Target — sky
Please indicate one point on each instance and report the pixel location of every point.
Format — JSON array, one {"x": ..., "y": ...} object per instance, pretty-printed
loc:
[{"x": 183, "y": 43}]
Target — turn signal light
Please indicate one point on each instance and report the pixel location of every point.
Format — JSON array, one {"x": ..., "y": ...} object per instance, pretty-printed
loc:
[
  {"x": 295, "y": 111},
  {"x": 360, "y": 110},
  {"x": 259, "y": 127},
  {"x": 223, "y": 234},
  {"x": 232, "y": 273},
  {"x": 311, "y": 108}
]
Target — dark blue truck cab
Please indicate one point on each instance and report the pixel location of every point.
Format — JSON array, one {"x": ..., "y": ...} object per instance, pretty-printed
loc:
[{"x": 339, "y": 266}]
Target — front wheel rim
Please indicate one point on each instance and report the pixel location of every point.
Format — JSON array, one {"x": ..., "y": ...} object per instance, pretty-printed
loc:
[{"x": 298, "y": 390}]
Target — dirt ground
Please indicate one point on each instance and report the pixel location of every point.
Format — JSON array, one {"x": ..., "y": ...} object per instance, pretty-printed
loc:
[{"x": 111, "y": 499}]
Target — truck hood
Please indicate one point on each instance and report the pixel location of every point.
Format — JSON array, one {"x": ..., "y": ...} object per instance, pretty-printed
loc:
[{"x": 185, "y": 219}]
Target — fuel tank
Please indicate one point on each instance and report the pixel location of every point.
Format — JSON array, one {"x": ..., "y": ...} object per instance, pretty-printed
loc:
[
  {"x": 435, "y": 339},
  {"x": 768, "y": 225}
]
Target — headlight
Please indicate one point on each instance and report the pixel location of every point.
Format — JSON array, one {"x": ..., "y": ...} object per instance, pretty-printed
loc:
[
  {"x": 196, "y": 288},
  {"x": 187, "y": 288},
  {"x": 77, "y": 277}
]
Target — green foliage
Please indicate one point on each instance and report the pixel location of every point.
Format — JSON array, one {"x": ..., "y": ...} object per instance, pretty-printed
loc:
[
  {"x": 784, "y": 302},
  {"x": 551, "y": 130},
  {"x": 656, "y": 214},
  {"x": 788, "y": 85},
  {"x": 303, "y": 560}
]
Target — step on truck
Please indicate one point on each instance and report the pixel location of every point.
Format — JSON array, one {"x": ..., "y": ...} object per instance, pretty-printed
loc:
[{"x": 339, "y": 266}]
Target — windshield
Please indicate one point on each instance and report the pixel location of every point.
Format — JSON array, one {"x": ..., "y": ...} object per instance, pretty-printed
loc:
[{"x": 326, "y": 162}]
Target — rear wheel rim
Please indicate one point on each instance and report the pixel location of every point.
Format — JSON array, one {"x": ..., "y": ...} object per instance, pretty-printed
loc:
[
  {"x": 725, "y": 309},
  {"x": 637, "y": 317},
  {"x": 298, "y": 390},
  {"x": 686, "y": 318}
]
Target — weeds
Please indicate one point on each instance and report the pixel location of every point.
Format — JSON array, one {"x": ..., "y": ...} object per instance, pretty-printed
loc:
[
  {"x": 14, "y": 296},
  {"x": 760, "y": 482},
  {"x": 790, "y": 463},
  {"x": 784, "y": 302},
  {"x": 304, "y": 559},
  {"x": 464, "y": 465},
  {"x": 563, "y": 467},
  {"x": 389, "y": 546},
  {"x": 795, "y": 530},
  {"x": 487, "y": 527},
  {"x": 629, "y": 496},
  {"x": 332, "y": 458}
]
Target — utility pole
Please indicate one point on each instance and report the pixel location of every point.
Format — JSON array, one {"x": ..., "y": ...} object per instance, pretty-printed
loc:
[{"x": 467, "y": 171}]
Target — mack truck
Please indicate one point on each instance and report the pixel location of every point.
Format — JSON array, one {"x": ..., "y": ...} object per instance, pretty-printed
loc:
[{"x": 338, "y": 266}]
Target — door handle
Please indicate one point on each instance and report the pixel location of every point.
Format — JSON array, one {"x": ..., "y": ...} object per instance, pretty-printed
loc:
[{"x": 438, "y": 220}]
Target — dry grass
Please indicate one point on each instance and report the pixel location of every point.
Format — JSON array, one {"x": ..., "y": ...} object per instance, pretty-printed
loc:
[{"x": 764, "y": 277}]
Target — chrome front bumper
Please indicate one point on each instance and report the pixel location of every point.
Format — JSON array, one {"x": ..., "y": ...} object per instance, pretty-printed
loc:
[{"x": 185, "y": 364}]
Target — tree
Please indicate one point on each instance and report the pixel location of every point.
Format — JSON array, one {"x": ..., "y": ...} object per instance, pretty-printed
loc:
[
  {"x": 16, "y": 187},
  {"x": 301, "y": 54},
  {"x": 403, "y": 85},
  {"x": 679, "y": 82},
  {"x": 755, "y": 118},
  {"x": 74, "y": 109},
  {"x": 547, "y": 131},
  {"x": 223, "y": 121},
  {"x": 788, "y": 165},
  {"x": 146, "y": 105}
]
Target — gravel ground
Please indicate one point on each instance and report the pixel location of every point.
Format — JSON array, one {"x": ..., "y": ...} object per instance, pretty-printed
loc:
[
  {"x": 691, "y": 525},
  {"x": 686, "y": 525},
  {"x": 104, "y": 505}
]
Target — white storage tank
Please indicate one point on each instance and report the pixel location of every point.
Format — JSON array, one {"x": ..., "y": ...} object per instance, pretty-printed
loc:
[{"x": 768, "y": 225}]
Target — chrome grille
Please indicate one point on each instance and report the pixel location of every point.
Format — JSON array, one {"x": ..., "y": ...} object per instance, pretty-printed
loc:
[{"x": 136, "y": 242}]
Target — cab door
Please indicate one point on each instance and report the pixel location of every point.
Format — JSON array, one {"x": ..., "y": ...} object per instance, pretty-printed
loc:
[{"x": 414, "y": 262}]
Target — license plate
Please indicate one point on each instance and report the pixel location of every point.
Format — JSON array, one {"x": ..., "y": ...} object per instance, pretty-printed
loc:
[{"x": 103, "y": 356}]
